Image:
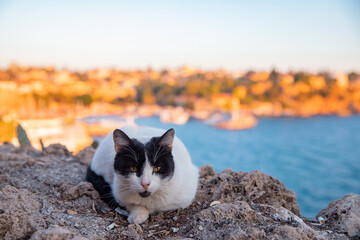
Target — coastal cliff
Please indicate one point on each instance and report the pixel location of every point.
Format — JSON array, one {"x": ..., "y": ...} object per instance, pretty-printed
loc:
[{"x": 43, "y": 196}]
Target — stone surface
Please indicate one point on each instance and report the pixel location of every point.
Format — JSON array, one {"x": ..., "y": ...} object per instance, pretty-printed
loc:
[
  {"x": 55, "y": 233},
  {"x": 247, "y": 205},
  {"x": 19, "y": 213},
  {"x": 254, "y": 187},
  {"x": 73, "y": 192},
  {"x": 7, "y": 147},
  {"x": 206, "y": 171},
  {"x": 226, "y": 211},
  {"x": 134, "y": 231},
  {"x": 58, "y": 150},
  {"x": 85, "y": 155},
  {"x": 344, "y": 214},
  {"x": 239, "y": 220}
]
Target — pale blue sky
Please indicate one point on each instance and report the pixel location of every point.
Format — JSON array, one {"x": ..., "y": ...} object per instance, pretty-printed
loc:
[{"x": 237, "y": 35}]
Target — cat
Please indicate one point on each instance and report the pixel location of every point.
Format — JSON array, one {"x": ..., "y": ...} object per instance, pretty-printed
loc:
[{"x": 144, "y": 170}]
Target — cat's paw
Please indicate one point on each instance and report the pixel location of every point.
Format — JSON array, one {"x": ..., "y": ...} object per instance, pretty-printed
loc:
[{"x": 138, "y": 216}]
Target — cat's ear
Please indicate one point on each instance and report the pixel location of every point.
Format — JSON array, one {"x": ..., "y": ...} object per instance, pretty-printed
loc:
[
  {"x": 121, "y": 140},
  {"x": 167, "y": 138}
]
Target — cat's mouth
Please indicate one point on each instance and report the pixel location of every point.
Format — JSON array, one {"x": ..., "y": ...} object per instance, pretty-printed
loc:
[{"x": 145, "y": 194}]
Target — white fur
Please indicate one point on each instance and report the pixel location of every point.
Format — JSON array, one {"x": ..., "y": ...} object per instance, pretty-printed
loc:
[{"x": 178, "y": 192}]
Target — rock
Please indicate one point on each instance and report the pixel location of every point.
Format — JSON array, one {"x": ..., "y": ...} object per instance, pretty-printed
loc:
[
  {"x": 134, "y": 231},
  {"x": 55, "y": 233},
  {"x": 261, "y": 188},
  {"x": 79, "y": 238},
  {"x": 344, "y": 214},
  {"x": 16, "y": 159},
  {"x": 72, "y": 212},
  {"x": 254, "y": 187},
  {"x": 73, "y": 192},
  {"x": 220, "y": 212},
  {"x": 20, "y": 215},
  {"x": 337, "y": 236},
  {"x": 297, "y": 229},
  {"x": 206, "y": 171},
  {"x": 29, "y": 151},
  {"x": 110, "y": 227},
  {"x": 228, "y": 205},
  {"x": 213, "y": 203},
  {"x": 85, "y": 155},
  {"x": 240, "y": 234},
  {"x": 58, "y": 150},
  {"x": 286, "y": 232},
  {"x": 4, "y": 177},
  {"x": 239, "y": 220},
  {"x": 7, "y": 147}
]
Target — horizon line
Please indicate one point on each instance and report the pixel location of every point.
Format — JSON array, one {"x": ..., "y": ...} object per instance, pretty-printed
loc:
[{"x": 64, "y": 67}]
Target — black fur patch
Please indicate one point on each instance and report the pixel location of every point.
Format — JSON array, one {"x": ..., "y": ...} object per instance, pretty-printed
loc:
[
  {"x": 160, "y": 156},
  {"x": 132, "y": 155},
  {"x": 102, "y": 187}
]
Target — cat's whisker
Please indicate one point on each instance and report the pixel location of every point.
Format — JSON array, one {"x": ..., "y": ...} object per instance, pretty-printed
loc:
[
  {"x": 112, "y": 203},
  {"x": 131, "y": 156},
  {"x": 107, "y": 195},
  {"x": 132, "y": 152},
  {"x": 157, "y": 151},
  {"x": 159, "y": 154}
]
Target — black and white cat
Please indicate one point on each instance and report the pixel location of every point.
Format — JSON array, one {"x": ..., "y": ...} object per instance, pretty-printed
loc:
[{"x": 145, "y": 170}]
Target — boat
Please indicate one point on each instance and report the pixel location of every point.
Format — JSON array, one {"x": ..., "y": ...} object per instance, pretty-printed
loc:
[
  {"x": 176, "y": 115},
  {"x": 238, "y": 121}
]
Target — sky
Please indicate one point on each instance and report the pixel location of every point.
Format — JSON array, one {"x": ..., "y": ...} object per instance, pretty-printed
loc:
[{"x": 312, "y": 35}]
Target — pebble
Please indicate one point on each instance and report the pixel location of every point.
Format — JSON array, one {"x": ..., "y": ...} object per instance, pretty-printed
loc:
[
  {"x": 71, "y": 212},
  {"x": 110, "y": 227},
  {"x": 201, "y": 228},
  {"x": 214, "y": 203},
  {"x": 174, "y": 229},
  {"x": 321, "y": 220}
]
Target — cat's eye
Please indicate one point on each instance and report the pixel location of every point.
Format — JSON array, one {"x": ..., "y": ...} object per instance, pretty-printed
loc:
[
  {"x": 133, "y": 169},
  {"x": 156, "y": 169}
]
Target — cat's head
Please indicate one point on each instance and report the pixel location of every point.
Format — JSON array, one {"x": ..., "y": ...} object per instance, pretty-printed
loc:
[{"x": 144, "y": 167}]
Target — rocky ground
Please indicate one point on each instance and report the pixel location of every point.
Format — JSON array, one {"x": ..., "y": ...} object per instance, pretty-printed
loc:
[{"x": 43, "y": 196}]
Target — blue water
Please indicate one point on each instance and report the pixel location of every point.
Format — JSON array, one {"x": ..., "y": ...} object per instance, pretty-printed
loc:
[{"x": 318, "y": 158}]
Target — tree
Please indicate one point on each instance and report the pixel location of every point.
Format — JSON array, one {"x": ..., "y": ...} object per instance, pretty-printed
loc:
[
  {"x": 148, "y": 97},
  {"x": 274, "y": 76}
]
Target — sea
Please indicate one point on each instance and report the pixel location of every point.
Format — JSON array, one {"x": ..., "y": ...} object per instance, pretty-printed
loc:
[{"x": 318, "y": 158}]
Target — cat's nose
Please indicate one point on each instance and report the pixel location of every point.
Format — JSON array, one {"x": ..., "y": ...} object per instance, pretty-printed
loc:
[{"x": 145, "y": 185}]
